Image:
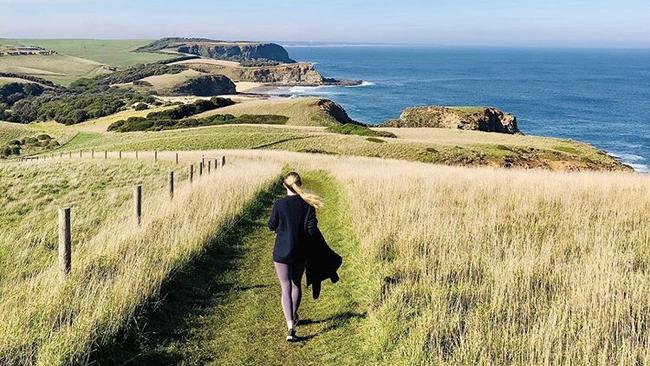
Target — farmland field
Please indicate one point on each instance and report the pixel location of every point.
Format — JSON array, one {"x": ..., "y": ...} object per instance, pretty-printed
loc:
[{"x": 108, "y": 52}]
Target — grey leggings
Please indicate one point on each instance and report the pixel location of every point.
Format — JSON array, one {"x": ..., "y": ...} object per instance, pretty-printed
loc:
[{"x": 290, "y": 276}]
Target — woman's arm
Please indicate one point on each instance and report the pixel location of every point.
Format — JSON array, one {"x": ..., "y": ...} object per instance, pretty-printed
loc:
[
  {"x": 311, "y": 224},
  {"x": 273, "y": 220}
]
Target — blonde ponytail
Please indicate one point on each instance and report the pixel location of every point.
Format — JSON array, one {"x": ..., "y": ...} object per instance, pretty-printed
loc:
[{"x": 293, "y": 182}]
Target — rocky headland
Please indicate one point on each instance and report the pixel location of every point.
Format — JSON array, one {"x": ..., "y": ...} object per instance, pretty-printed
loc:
[
  {"x": 485, "y": 119},
  {"x": 222, "y": 50}
]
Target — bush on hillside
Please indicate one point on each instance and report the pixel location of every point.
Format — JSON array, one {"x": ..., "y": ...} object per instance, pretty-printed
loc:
[
  {"x": 157, "y": 124},
  {"x": 268, "y": 119},
  {"x": 14, "y": 92},
  {"x": 187, "y": 110},
  {"x": 350, "y": 129},
  {"x": 71, "y": 108}
]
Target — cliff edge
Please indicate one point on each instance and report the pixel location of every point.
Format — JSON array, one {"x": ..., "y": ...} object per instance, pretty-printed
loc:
[
  {"x": 464, "y": 118},
  {"x": 222, "y": 50}
]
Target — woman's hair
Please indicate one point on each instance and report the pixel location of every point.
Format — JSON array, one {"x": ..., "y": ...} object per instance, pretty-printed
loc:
[{"x": 293, "y": 183}]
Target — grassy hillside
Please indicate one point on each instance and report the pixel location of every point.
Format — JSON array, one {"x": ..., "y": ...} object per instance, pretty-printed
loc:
[
  {"x": 116, "y": 266},
  {"x": 109, "y": 52},
  {"x": 61, "y": 69},
  {"x": 301, "y": 111},
  {"x": 545, "y": 268},
  {"x": 12, "y": 131}
]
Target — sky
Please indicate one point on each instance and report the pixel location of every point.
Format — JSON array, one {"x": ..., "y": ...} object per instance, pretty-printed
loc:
[{"x": 579, "y": 23}]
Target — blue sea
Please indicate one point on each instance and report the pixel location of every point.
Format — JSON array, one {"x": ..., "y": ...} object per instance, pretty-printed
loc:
[{"x": 597, "y": 96}]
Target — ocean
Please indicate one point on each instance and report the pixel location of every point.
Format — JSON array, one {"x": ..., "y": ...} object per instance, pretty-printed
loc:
[{"x": 597, "y": 96}]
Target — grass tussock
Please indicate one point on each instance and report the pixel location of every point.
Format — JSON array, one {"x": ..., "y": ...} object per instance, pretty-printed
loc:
[{"x": 117, "y": 266}]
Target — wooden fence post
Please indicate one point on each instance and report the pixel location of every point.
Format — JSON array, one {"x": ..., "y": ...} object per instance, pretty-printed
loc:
[
  {"x": 105, "y": 154},
  {"x": 209, "y": 166},
  {"x": 200, "y": 168},
  {"x": 81, "y": 153},
  {"x": 155, "y": 155},
  {"x": 171, "y": 185},
  {"x": 137, "y": 204},
  {"x": 92, "y": 154},
  {"x": 60, "y": 155},
  {"x": 176, "y": 158},
  {"x": 191, "y": 173},
  {"x": 70, "y": 154},
  {"x": 223, "y": 160},
  {"x": 136, "y": 155},
  {"x": 120, "y": 154},
  {"x": 65, "y": 237}
]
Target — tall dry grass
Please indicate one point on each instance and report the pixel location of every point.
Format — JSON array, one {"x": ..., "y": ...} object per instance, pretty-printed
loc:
[
  {"x": 46, "y": 322},
  {"x": 477, "y": 266}
]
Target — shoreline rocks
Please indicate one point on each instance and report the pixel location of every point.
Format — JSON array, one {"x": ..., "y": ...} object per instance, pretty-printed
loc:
[{"x": 485, "y": 119}]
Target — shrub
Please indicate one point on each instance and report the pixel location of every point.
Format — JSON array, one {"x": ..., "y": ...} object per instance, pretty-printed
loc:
[
  {"x": 15, "y": 150},
  {"x": 43, "y": 137},
  {"x": 374, "y": 139},
  {"x": 141, "y": 107},
  {"x": 351, "y": 129},
  {"x": 29, "y": 141},
  {"x": 142, "y": 83},
  {"x": 270, "y": 119}
]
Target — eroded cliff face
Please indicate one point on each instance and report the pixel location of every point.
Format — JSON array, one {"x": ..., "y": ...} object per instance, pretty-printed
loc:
[
  {"x": 478, "y": 119},
  {"x": 237, "y": 51},
  {"x": 286, "y": 74},
  {"x": 294, "y": 74},
  {"x": 207, "y": 85}
]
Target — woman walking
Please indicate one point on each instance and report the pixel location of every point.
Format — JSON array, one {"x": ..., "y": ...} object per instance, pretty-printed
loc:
[{"x": 293, "y": 219}]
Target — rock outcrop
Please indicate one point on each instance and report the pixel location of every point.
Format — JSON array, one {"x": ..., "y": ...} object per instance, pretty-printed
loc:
[
  {"x": 205, "y": 86},
  {"x": 336, "y": 111},
  {"x": 293, "y": 74},
  {"x": 222, "y": 50},
  {"x": 464, "y": 118}
]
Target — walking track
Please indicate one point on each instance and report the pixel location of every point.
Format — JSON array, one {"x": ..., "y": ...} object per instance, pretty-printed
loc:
[{"x": 224, "y": 309}]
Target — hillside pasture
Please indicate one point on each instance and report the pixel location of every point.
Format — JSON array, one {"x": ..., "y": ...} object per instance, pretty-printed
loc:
[
  {"x": 117, "y": 266},
  {"x": 163, "y": 84},
  {"x": 301, "y": 111},
  {"x": 60, "y": 69},
  {"x": 118, "y": 53}
]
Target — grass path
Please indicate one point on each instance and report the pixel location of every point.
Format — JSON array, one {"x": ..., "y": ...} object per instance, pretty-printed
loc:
[{"x": 225, "y": 309}]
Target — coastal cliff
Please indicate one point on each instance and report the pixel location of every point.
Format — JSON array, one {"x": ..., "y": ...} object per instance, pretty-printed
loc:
[
  {"x": 286, "y": 74},
  {"x": 463, "y": 118},
  {"x": 207, "y": 85},
  {"x": 222, "y": 50}
]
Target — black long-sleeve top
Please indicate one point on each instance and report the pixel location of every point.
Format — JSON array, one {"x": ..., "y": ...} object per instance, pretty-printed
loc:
[{"x": 294, "y": 222}]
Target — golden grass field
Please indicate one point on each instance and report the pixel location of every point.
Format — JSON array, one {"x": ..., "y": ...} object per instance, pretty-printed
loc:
[
  {"x": 485, "y": 266},
  {"x": 117, "y": 266},
  {"x": 61, "y": 69},
  {"x": 462, "y": 266}
]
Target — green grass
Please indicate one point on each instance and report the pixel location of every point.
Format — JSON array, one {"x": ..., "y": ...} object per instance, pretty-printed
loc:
[
  {"x": 350, "y": 129},
  {"x": 224, "y": 308},
  {"x": 12, "y": 131},
  {"x": 109, "y": 52},
  {"x": 60, "y": 69},
  {"x": 301, "y": 111},
  {"x": 305, "y": 140},
  {"x": 33, "y": 192}
]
